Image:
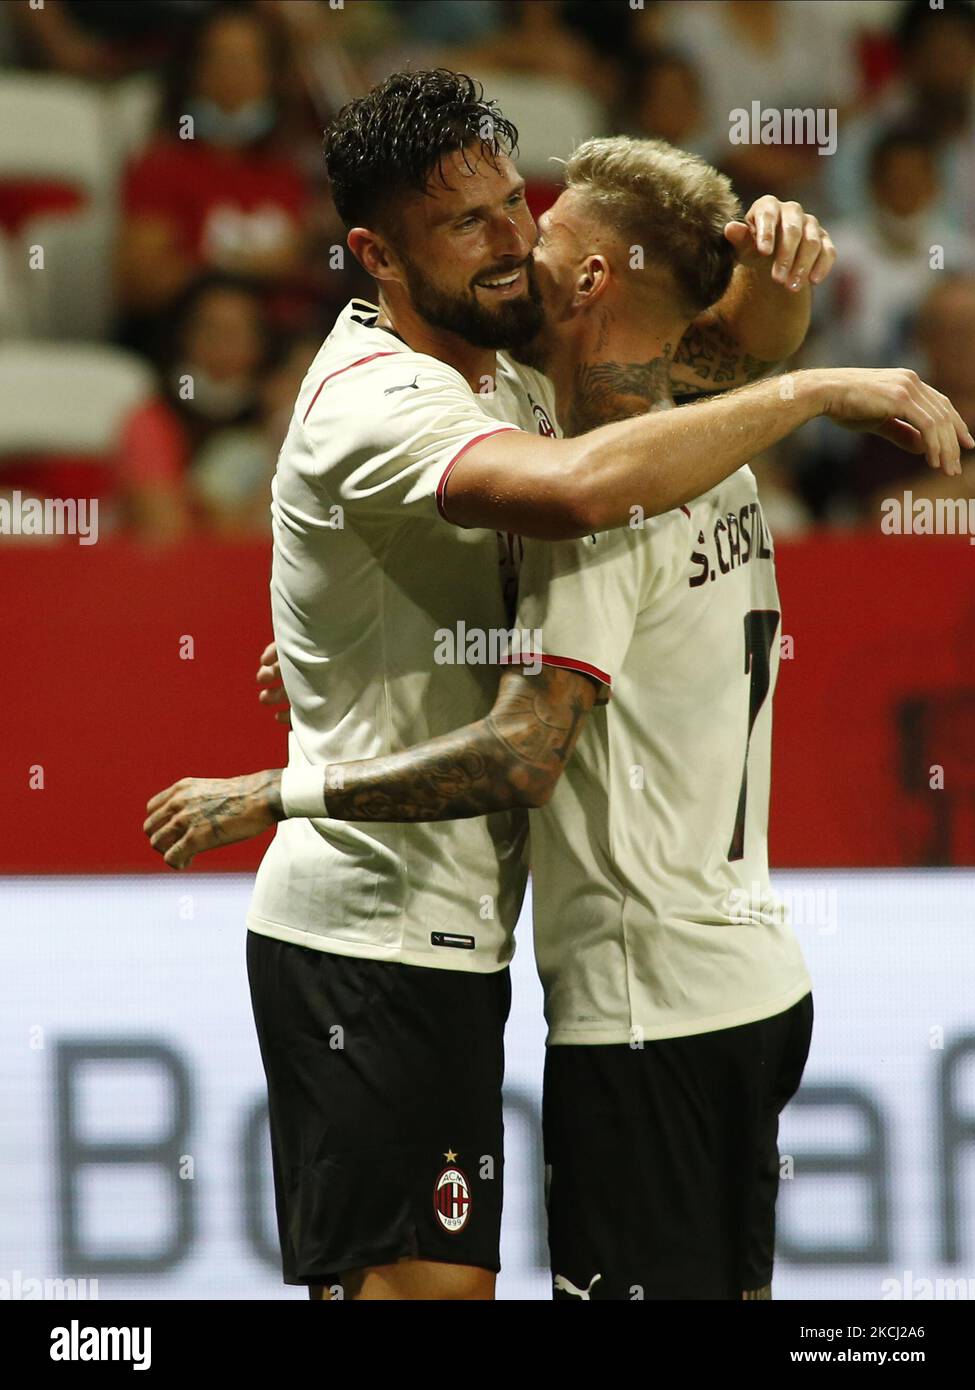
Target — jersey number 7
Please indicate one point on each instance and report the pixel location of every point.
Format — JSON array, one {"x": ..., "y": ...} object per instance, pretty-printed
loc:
[{"x": 761, "y": 625}]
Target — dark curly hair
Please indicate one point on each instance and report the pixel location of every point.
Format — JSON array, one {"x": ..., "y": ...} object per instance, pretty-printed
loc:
[{"x": 394, "y": 139}]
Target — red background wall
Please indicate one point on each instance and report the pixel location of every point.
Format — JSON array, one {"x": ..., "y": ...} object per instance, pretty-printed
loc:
[{"x": 97, "y": 694}]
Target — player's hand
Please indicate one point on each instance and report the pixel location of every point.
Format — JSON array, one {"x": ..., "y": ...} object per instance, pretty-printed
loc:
[
  {"x": 896, "y": 404},
  {"x": 199, "y": 813},
  {"x": 784, "y": 238},
  {"x": 269, "y": 676}
]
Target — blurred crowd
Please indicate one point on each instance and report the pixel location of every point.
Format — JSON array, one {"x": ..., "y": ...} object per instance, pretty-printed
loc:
[{"x": 166, "y": 230}]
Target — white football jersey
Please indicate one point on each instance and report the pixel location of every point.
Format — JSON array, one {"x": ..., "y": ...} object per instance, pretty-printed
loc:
[
  {"x": 368, "y": 576},
  {"x": 654, "y": 916}
]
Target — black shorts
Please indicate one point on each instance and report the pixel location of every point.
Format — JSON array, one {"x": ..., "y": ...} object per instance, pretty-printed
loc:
[
  {"x": 663, "y": 1161},
  {"x": 384, "y": 1092}
]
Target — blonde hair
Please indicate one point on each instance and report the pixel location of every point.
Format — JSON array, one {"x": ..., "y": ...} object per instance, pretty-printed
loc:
[{"x": 670, "y": 203}]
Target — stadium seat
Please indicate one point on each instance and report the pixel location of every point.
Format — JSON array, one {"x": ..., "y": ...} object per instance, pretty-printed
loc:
[
  {"x": 131, "y": 111},
  {"x": 13, "y": 305},
  {"x": 58, "y": 166},
  {"x": 53, "y": 127},
  {"x": 67, "y": 399},
  {"x": 72, "y": 298}
]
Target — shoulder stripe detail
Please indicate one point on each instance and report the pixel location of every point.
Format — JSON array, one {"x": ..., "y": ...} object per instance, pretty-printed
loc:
[
  {"x": 361, "y": 363},
  {"x": 567, "y": 662},
  {"x": 441, "y": 486},
  {"x": 572, "y": 664}
]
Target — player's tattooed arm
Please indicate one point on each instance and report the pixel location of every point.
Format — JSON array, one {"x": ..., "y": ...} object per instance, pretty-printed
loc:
[
  {"x": 512, "y": 758},
  {"x": 603, "y": 392},
  {"x": 708, "y": 358},
  {"x": 763, "y": 316}
]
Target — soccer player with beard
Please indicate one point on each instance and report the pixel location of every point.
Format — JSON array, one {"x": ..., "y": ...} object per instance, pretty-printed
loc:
[{"x": 380, "y": 928}]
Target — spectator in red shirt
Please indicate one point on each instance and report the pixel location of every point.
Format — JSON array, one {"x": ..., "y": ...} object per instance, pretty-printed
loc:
[
  {"x": 211, "y": 385},
  {"x": 213, "y": 190},
  {"x": 218, "y": 350},
  {"x": 218, "y": 347}
]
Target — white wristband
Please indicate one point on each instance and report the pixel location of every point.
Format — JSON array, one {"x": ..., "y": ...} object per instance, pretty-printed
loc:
[{"x": 303, "y": 791}]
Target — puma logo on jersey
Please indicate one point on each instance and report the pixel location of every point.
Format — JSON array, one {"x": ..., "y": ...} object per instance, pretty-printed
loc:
[
  {"x": 565, "y": 1286},
  {"x": 410, "y": 386}
]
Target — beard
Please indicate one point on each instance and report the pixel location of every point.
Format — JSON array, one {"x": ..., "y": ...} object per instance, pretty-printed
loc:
[
  {"x": 536, "y": 350},
  {"x": 510, "y": 324}
]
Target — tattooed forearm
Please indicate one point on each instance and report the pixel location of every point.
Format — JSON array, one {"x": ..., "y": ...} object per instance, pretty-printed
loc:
[
  {"x": 603, "y": 392},
  {"x": 510, "y": 759},
  {"x": 446, "y": 778},
  {"x": 708, "y": 358}
]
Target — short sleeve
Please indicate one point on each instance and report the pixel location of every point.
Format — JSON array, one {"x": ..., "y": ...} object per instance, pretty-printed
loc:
[
  {"x": 384, "y": 432},
  {"x": 578, "y": 602}
]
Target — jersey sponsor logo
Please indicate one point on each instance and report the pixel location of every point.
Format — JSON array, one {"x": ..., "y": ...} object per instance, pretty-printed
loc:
[
  {"x": 545, "y": 425},
  {"x": 446, "y": 938},
  {"x": 563, "y": 1285},
  {"x": 409, "y": 386},
  {"x": 738, "y": 537},
  {"x": 452, "y": 1197}
]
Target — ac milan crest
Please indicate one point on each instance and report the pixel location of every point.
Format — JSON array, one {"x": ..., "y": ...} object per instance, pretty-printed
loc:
[
  {"x": 545, "y": 425},
  {"x": 452, "y": 1197}
]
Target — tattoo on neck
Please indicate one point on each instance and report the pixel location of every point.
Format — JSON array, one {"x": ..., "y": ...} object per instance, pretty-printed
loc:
[
  {"x": 606, "y": 391},
  {"x": 713, "y": 356},
  {"x": 602, "y": 337}
]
